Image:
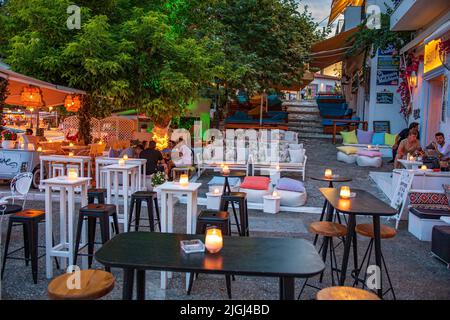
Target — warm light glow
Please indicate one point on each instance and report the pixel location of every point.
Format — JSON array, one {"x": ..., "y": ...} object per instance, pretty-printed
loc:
[
  {"x": 22, "y": 146},
  {"x": 222, "y": 165},
  {"x": 345, "y": 192},
  {"x": 213, "y": 240},
  {"x": 31, "y": 96},
  {"x": 413, "y": 80},
  {"x": 125, "y": 157},
  {"x": 277, "y": 167},
  {"x": 50, "y": 109},
  {"x": 39, "y": 149},
  {"x": 72, "y": 103},
  {"x": 100, "y": 142},
  {"x": 121, "y": 162},
  {"x": 225, "y": 169},
  {"x": 216, "y": 191},
  {"x": 411, "y": 158},
  {"x": 31, "y": 109},
  {"x": 50, "y": 140},
  {"x": 72, "y": 174},
  {"x": 184, "y": 180},
  {"x": 161, "y": 137},
  {"x": 70, "y": 154},
  {"x": 71, "y": 144},
  {"x": 274, "y": 194},
  {"x": 344, "y": 204},
  {"x": 328, "y": 173},
  {"x": 424, "y": 167}
]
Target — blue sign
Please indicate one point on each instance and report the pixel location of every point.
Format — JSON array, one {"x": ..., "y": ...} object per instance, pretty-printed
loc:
[
  {"x": 388, "y": 63},
  {"x": 387, "y": 78},
  {"x": 389, "y": 51}
]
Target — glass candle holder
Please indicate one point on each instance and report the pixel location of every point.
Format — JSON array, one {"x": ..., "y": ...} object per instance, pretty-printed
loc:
[
  {"x": 328, "y": 173},
  {"x": 216, "y": 191},
  {"x": 39, "y": 149},
  {"x": 225, "y": 169},
  {"x": 70, "y": 154},
  {"x": 184, "y": 180},
  {"x": 424, "y": 167},
  {"x": 213, "y": 240},
  {"x": 121, "y": 162},
  {"x": 345, "y": 192},
  {"x": 72, "y": 174},
  {"x": 125, "y": 157}
]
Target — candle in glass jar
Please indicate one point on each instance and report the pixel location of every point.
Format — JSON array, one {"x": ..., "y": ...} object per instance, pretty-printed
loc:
[
  {"x": 72, "y": 174},
  {"x": 424, "y": 167},
  {"x": 121, "y": 162},
  {"x": 213, "y": 240},
  {"x": 39, "y": 149},
  {"x": 70, "y": 154},
  {"x": 274, "y": 194},
  {"x": 369, "y": 147},
  {"x": 345, "y": 192},
  {"x": 411, "y": 158},
  {"x": 216, "y": 191},
  {"x": 125, "y": 157},
  {"x": 71, "y": 144},
  {"x": 184, "y": 180},
  {"x": 328, "y": 173},
  {"x": 225, "y": 169}
]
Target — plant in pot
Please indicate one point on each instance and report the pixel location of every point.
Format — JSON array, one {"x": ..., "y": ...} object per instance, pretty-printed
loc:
[
  {"x": 158, "y": 178},
  {"x": 8, "y": 139}
]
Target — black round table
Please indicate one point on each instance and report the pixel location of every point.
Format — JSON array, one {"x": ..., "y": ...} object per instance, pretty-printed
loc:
[
  {"x": 231, "y": 174},
  {"x": 10, "y": 209}
]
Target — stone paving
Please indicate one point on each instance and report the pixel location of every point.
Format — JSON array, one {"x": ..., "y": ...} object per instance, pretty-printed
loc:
[{"x": 415, "y": 274}]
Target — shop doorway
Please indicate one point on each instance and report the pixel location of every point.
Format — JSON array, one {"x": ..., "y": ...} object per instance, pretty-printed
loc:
[{"x": 433, "y": 115}]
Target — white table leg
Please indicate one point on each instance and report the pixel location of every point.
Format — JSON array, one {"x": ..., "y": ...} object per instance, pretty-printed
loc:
[
  {"x": 83, "y": 193},
  {"x": 125, "y": 200},
  {"x": 194, "y": 214},
  {"x": 63, "y": 221},
  {"x": 41, "y": 173},
  {"x": 89, "y": 171},
  {"x": 144, "y": 176},
  {"x": 70, "y": 216},
  {"x": 170, "y": 212},
  {"x": 116, "y": 190},
  {"x": 97, "y": 174},
  {"x": 108, "y": 187},
  {"x": 191, "y": 220},
  {"x": 163, "y": 218},
  {"x": 139, "y": 177},
  {"x": 48, "y": 232}
]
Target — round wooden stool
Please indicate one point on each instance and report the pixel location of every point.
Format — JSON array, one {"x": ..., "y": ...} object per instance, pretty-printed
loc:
[
  {"x": 328, "y": 230},
  {"x": 367, "y": 230},
  {"x": 345, "y": 293},
  {"x": 94, "y": 284}
]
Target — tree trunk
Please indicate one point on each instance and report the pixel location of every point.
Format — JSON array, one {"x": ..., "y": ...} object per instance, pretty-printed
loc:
[{"x": 84, "y": 116}]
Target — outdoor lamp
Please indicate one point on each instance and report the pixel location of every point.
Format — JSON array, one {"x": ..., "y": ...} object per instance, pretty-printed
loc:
[
  {"x": 72, "y": 174},
  {"x": 213, "y": 239},
  {"x": 328, "y": 173},
  {"x": 413, "y": 80},
  {"x": 184, "y": 180},
  {"x": 345, "y": 192}
]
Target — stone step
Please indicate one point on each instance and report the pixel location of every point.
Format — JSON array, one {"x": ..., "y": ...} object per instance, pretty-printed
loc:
[
  {"x": 306, "y": 129},
  {"x": 307, "y": 123},
  {"x": 304, "y": 116},
  {"x": 311, "y": 135},
  {"x": 309, "y": 103}
]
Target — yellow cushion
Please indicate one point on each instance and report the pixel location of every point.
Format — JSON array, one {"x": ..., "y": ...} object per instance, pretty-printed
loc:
[
  {"x": 389, "y": 139},
  {"x": 349, "y": 137},
  {"x": 348, "y": 149}
]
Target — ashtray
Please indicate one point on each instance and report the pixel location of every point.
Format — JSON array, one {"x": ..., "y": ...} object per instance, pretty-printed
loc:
[
  {"x": 334, "y": 176},
  {"x": 352, "y": 194},
  {"x": 192, "y": 246}
]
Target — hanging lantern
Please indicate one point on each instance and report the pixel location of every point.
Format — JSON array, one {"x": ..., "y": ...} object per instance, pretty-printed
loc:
[
  {"x": 31, "y": 96},
  {"x": 72, "y": 103}
]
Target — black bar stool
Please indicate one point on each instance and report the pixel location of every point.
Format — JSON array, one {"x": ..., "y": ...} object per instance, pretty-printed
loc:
[
  {"x": 99, "y": 194},
  {"x": 328, "y": 230},
  {"x": 152, "y": 203},
  {"x": 221, "y": 220},
  {"x": 92, "y": 212},
  {"x": 239, "y": 198},
  {"x": 366, "y": 230},
  {"x": 29, "y": 220}
]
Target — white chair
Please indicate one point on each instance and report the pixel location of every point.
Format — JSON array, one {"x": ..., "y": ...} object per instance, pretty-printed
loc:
[{"x": 20, "y": 186}]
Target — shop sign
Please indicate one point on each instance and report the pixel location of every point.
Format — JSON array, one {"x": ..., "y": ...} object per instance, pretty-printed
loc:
[
  {"x": 388, "y": 63},
  {"x": 431, "y": 57},
  {"x": 385, "y": 97},
  {"x": 387, "y": 78}
]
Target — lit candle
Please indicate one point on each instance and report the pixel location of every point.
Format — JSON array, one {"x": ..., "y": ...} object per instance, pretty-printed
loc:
[
  {"x": 184, "y": 180},
  {"x": 125, "y": 157},
  {"x": 345, "y": 192},
  {"x": 411, "y": 158},
  {"x": 328, "y": 173},
  {"x": 22, "y": 146},
  {"x": 274, "y": 194},
  {"x": 71, "y": 144},
  {"x": 225, "y": 169},
  {"x": 39, "y": 149},
  {"x": 369, "y": 147},
  {"x": 70, "y": 154},
  {"x": 50, "y": 140},
  {"x": 121, "y": 162},
  {"x": 213, "y": 240},
  {"x": 216, "y": 191},
  {"x": 100, "y": 142},
  {"x": 72, "y": 174},
  {"x": 277, "y": 167},
  {"x": 424, "y": 167}
]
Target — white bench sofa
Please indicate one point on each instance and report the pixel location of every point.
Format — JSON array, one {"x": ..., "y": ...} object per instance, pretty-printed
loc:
[{"x": 386, "y": 151}]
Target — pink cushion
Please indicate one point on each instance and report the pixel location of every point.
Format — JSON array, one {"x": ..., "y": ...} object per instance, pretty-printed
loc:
[
  {"x": 256, "y": 183},
  {"x": 368, "y": 153}
]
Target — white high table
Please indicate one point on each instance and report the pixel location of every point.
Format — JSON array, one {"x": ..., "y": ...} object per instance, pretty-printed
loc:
[
  {"x": 408, "y": 164},
  {"x": 167, "y": 190},
  {"x": 101, "y": 162},
  {"x": 65, "y": 248},
  {"x": 125, "y": 170}
]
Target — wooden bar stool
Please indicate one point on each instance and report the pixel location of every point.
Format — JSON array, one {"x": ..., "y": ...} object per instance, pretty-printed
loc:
[
  {"x": 328, "y": 230},
  {"x": 151, "y": 198},
  {"x": 345, "y": 293},
  {"x": 94, "y": 284},
  {"x": 240, "y": 199},
  {"x": 96, "y": 194},
  {"x": 91, "y": 213},
  {"x": 367, "y": 230},
  {"x": 221, "y": 220}
]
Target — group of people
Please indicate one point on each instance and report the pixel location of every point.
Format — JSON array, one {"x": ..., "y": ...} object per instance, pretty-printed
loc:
[
  {"x": 177, "y": 154},
  {"x": 408, "y": 143}
]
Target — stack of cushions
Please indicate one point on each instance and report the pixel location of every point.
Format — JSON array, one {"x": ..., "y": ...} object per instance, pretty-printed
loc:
[
  {"x": 256, "y": 188},
  {"x": 347, "y": 154},
  {"x": 291, "y": 192},
  {"x": 368, "y": 158}
]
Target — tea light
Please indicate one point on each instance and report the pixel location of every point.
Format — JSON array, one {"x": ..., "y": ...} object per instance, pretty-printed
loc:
[
  {"x": 424, "y": 167},
  {"x": 225, "y": 169},
  {"x": 328, "y": 173},
  {"x": 369, "y": 147},
  {"x": 274, "y": 194},
  {"x": 71, "y": 144},
  {"x": 70, "y": 154},
  {"x": 411, "y": 158},
  {"x": 39, "y": 149},
  {"x": 345, "y": 192},
  {"x": 125, "y": 157},
  {"x": 121, "y": 162},
  {"x": 216, "y": 191},
  {"x": 72, "y": 174},
  {"x": 184, "y": 180},
  {"x": 213, "y": 240}
]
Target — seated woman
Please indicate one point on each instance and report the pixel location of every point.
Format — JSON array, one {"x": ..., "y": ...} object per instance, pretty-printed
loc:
[{"x": 409, "y": 145}]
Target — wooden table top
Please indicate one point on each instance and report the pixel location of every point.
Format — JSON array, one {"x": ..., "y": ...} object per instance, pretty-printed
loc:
[
  {"x": 276, "y": 257},
  {"x": 363, "y": 203}
]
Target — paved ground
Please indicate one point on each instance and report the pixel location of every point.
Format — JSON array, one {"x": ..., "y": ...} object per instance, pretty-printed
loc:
[{"x": 415, "y": 274}]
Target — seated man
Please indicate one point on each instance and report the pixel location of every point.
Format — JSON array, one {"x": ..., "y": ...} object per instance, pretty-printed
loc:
[
  {"x": 410, "y": 145},
  {"x": 153, "y": 158},
  {"x": 184, "y": 157},
  {"x": 439, "y": 147}
]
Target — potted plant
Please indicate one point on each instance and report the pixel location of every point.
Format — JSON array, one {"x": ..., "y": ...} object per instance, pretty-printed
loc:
[
  {"x": 157, "y": 179},
  {"x": 8, "y": 139}
]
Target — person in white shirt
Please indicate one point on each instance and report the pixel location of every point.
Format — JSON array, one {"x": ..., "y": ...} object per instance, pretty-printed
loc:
[
  {"x": 184, "y": 157},
  {"x": 440, "y": 146}
]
